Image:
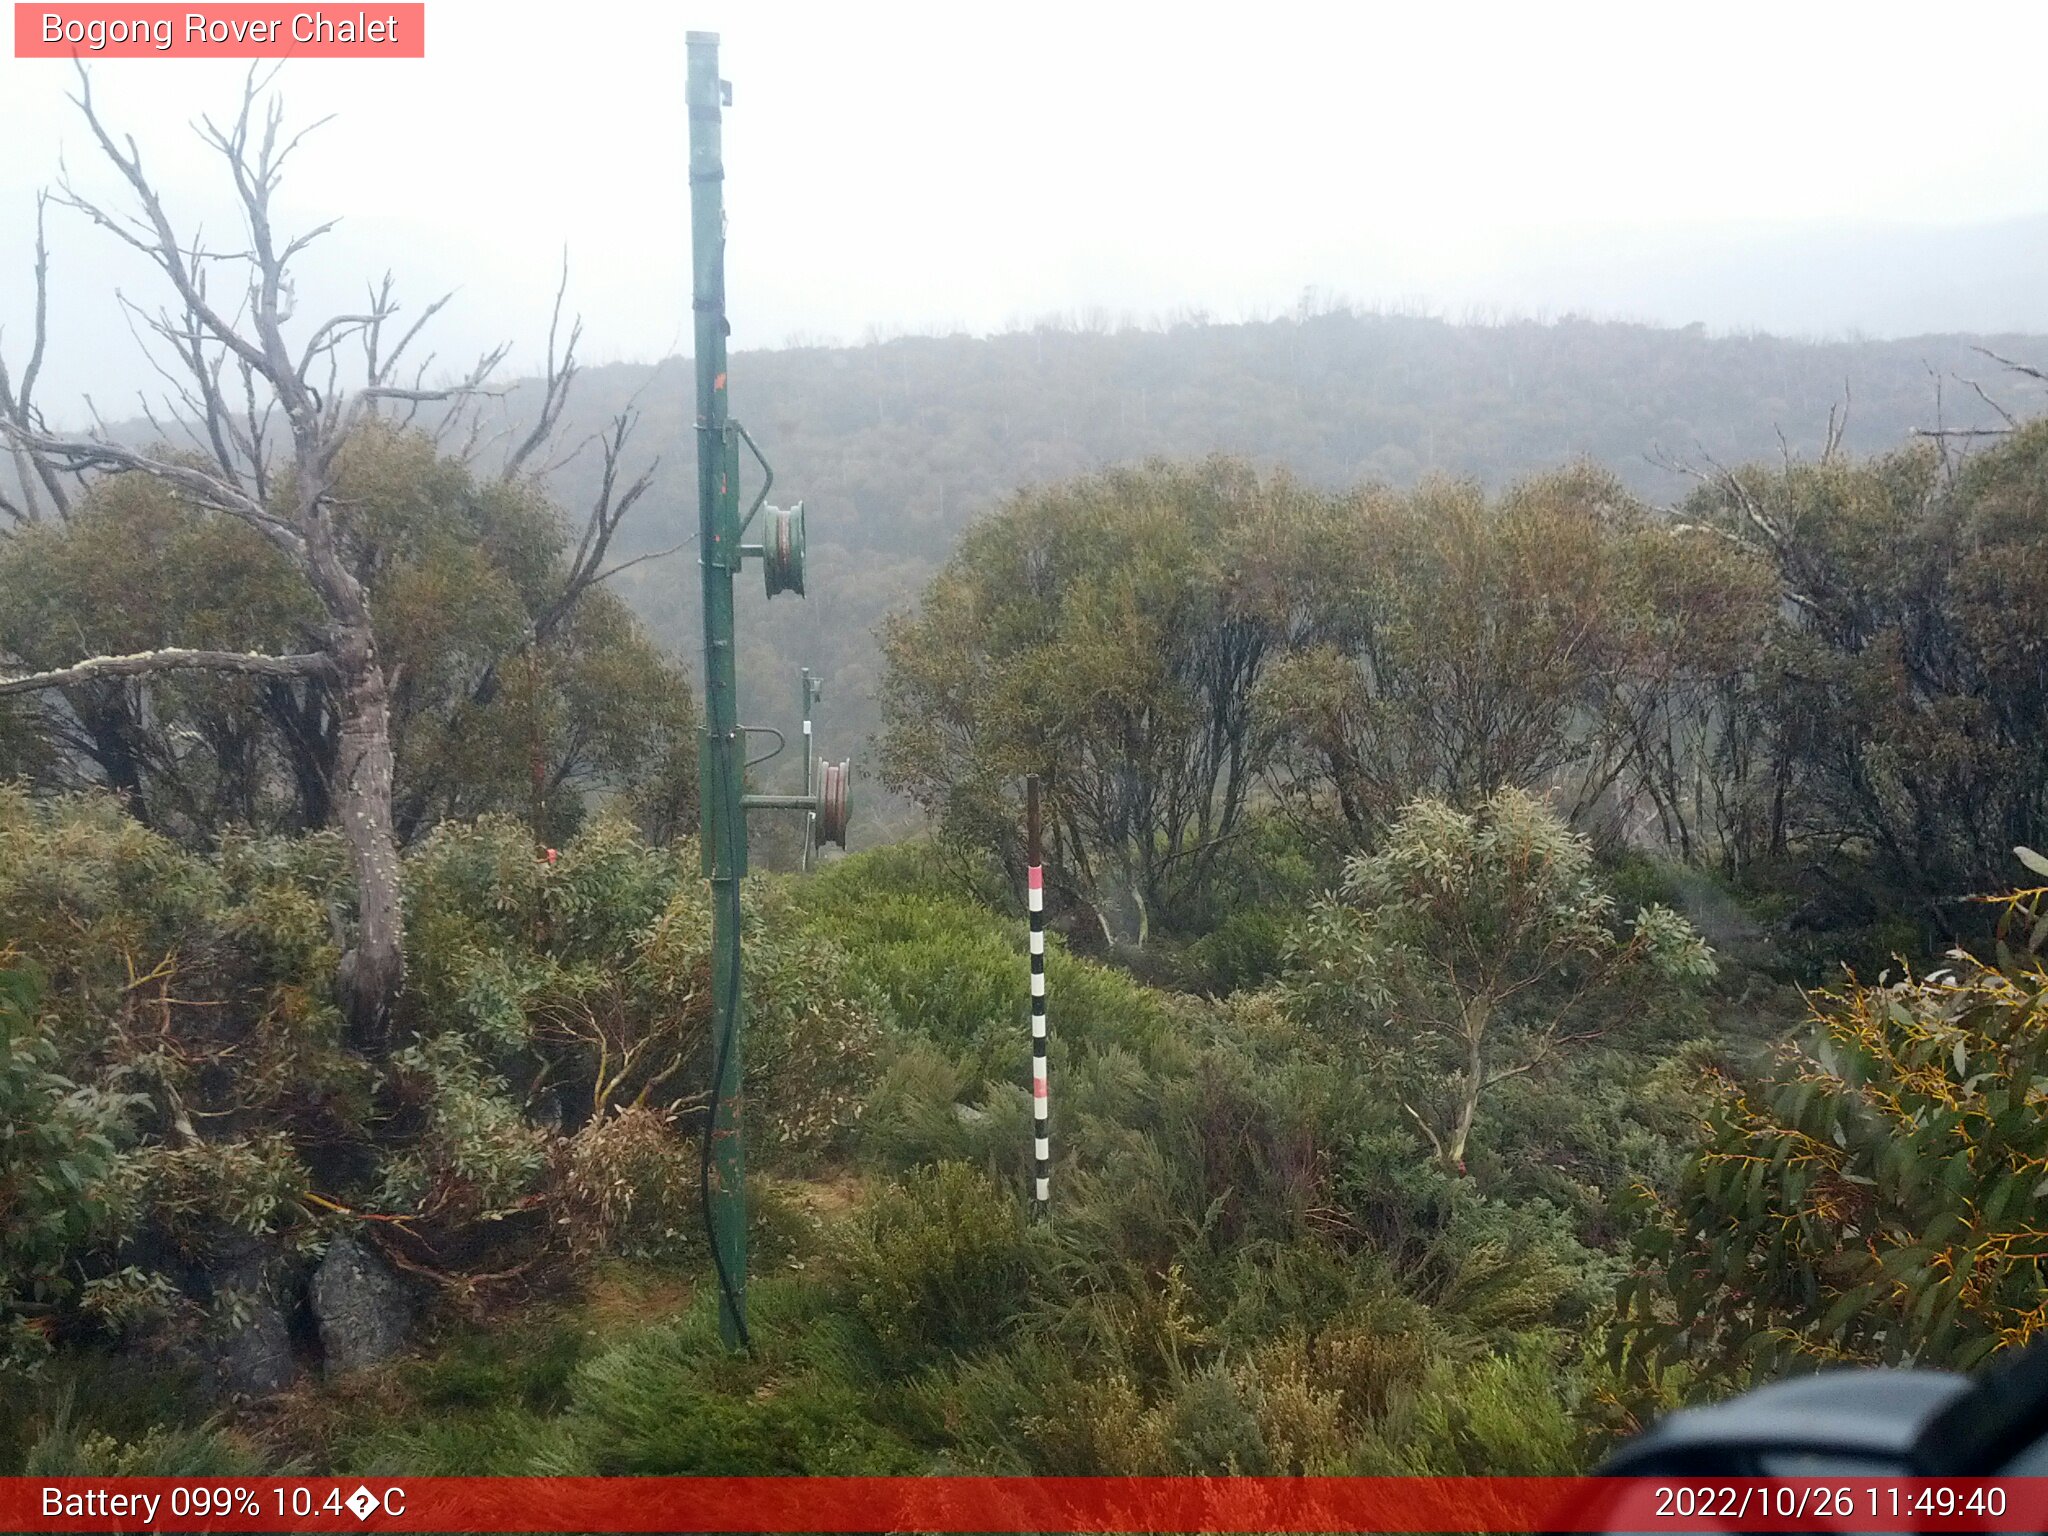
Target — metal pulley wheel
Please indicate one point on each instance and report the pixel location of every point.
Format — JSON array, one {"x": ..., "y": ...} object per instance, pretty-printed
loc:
[
  {"x": 782, "y": 550},
  {"x": 832, "y": 806}
]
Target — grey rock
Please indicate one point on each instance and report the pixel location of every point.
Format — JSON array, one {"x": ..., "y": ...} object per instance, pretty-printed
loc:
[
  {"x": 250, "y": 1338},
  {"x": 363, "y": 1311}
]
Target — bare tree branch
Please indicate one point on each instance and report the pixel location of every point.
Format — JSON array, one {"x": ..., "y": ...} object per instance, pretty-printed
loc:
[
  {"x": 607, "y": 512},
  {"x": 2017, "y": 367},
  {"x": 293, "y": 372},
  {"x": 1837, "y": 427},
  {"x": 208, "y": 489},
  {"x": 379, "y": 371},
  {"x": 554, "y": 385},
  {"x": 17, "y": 405},
  {"x": 653, "y": 554},
  {"x": 160, "y": 244},
  {"x": 144, "y": 663},
  {"x": 2004, "y": 415}
]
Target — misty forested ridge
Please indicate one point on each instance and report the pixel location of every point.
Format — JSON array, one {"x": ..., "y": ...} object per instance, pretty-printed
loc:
[
  {"x": 897, "y": 446},
  {"x": 1543, "y": 862}
]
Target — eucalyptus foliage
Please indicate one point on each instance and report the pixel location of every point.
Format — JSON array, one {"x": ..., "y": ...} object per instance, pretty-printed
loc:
[
  {"x": 509, "y": 692},
  {"x": 57, "y": 1166},
  {"x": 1095, "y": 634},
  {"x": 1477, "y": 946},
  {"x": 1875, "y": 1197}
]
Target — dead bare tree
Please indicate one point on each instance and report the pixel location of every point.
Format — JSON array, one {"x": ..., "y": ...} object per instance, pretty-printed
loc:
[
  {"x": 17, "y": 402},
  {"x": 1944, "y": 436},
  {"x": 235, "y": 376}
]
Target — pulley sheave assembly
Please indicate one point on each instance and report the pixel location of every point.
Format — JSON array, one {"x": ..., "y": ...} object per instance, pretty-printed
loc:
[
  {"x": 782, "y": 549},
  {"x": 832, "y": 802},
  {"x": 781, "y": 546},
  {"x": 825, "y": 800}
]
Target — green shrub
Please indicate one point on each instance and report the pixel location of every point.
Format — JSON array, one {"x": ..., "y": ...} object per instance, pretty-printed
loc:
[
  {"x": 1635, "y": 880},
  {"x": 1874, "y": 1198},
  {"x": 504, "y": 1365},
  {"x": 1247, "y": 949},
  {"x": 160, "y": 1452},
  {"x": 1039, "y": 1406},
  {"x": 1509, "y": 1414},
  {"x": 1478, "y": 946},
  {"x": 674, "y": 1400},
  {"x": 1093, "y": 1007},
  {"x": 913, "y": 1114},
  {"x": 552, "y": 1046},
  {"x": 927, "y": 867},
  {"x": 948, "y": 971},
  {"x": 801, "y": 1426},
  {"x": 628, "y": 1185},
  {"x": 934, "y": 1264},
  {"x": 506, "y": 1440},
  {"x": 1211, "y": 1429},
  {"x": 58, "y": 1172}
]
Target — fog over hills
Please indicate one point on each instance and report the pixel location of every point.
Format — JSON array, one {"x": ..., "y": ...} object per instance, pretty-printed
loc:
[{"x": 1809, "y": 280}]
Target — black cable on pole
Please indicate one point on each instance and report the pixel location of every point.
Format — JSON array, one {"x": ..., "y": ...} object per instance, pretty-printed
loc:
[{"x": 727, "y": 1288}]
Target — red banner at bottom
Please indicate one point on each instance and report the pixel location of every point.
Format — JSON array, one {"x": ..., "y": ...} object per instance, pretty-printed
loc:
[{"x": 996, "y": 1504}]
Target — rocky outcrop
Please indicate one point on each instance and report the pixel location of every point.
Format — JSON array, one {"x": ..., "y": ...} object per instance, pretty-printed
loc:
[
  {"x": 363, "y": 1311},
  {"x": 249, "y": 1339}
]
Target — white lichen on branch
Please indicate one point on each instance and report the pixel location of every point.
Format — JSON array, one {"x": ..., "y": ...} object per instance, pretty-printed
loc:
[{"x": 173, "y": 659}]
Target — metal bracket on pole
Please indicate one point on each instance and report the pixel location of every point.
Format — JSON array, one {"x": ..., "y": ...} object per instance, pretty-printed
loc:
[
  {"x": 826, "y": 805},
  {"x": 767, "y": 478}
]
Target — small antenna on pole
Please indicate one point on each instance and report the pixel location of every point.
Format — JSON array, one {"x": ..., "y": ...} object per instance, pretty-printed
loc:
[
  {"x": 808, "y": 690},
  {"x": 1034, "y": 879}
]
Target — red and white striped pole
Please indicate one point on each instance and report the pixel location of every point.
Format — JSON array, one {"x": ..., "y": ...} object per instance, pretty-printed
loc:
[{"x": 1041, "y": 1144}]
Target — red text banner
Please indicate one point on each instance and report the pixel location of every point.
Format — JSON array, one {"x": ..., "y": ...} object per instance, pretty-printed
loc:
[
  {"x": 994, "y": 1504},
  {"x": 236, "y": 31}
]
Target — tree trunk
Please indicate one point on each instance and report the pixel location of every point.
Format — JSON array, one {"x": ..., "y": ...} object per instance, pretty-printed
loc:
[
  {"x": 310, "y": 747},
  {"x": 1468, "y": 1091},
  {"x": 373, "y": 971},
  {"x": 103, "y": 710},
  {"x": 1461, "y": 1131},
  {"x": 1120, "y": 903}
]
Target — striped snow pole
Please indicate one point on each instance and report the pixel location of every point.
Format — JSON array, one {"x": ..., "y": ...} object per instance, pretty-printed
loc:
[{"x": 1041, "y": 1143}]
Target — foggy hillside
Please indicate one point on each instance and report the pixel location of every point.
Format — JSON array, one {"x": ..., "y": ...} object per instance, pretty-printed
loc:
[{"x": 895, "y": 446}]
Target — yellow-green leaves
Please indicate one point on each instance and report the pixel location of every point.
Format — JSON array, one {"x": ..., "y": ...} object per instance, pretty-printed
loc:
[
  {"x": 1877, "y": 1198},
  {"x": 1473, "y": 947}
]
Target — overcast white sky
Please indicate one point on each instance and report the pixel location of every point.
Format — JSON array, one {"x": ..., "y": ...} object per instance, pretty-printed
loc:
[{"x": 901, "y": 166}]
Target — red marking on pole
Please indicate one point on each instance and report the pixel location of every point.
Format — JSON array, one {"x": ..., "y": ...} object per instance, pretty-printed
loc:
[
  {"x": 1038, "y": 1088},
  {"x": 1035, "y": 877}
]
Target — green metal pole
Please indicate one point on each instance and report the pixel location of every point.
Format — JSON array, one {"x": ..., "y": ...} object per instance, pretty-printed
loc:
[{"x": 721, "y": 757}]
